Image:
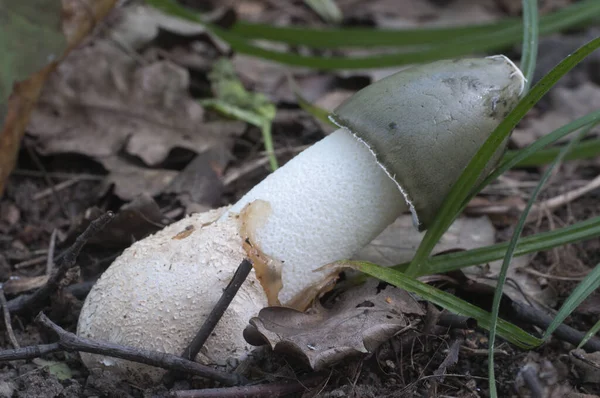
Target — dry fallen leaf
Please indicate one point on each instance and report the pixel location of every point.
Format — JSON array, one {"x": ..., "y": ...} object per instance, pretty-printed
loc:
[
  {"x": 398, "y": 243},
  {"x": 568, "y": 104},
  {"x": 78, "y": 19},
  {"x": 359, "y": 321},
  {"x": 587, "y": 365},
  {"x": 102, "y": 103}
]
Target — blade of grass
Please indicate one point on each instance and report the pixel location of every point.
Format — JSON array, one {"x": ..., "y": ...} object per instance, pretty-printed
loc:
[
  {"x": 530, "y": 40},
  {"x": 445, "y": 300},
  {"x": 591, "y": 333},
  {"x": 448, "y": 49},
  {"x": 315, "y": 111},
  {"x": 570, "y": 16},
  {"x": 584, "y": 150},
  {"x": 584, "y": 289},
  {"x": 467, "y": 180},
  {"x": 511, "y": 249}
]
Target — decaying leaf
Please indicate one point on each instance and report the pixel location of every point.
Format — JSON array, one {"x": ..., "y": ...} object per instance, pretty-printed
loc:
[
  {"x": 101, "y": 103},
  {"x": 359, "y": 321},
  {"x": 79, "y": 18},
  {"x": 30, "y": 38},
  {"x": 398, "y": 243},
  {"x": 587, "y": 364},
  {"x": 568, "y": 104}
]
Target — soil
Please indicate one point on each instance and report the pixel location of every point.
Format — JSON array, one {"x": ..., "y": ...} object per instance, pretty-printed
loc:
[{"x": 30, "y": 213}]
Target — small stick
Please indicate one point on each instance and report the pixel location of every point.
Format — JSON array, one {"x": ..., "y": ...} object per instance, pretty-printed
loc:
[
  {"x": 51, "y": 247},
  {"x": 29, "y": 352},
  {"x": 271, "y": 390},
  {"x": 566, "y": 333},
  {"x": 7, "y": 321},
  {"x": 455, "y": 321},
  {"x": 70, "y": 342},
  {"x": 37, "y": 299},
  {"x": 218, "y": 310},
  {"x": 532, "y": 381}
]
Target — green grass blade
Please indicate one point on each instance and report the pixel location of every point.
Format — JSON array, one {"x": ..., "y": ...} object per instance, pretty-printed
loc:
[
  {"x": 584, "y": 289},
  {"x": 510, "y": 249},
  {"x": 315, "y": 111},
  {"x": 448, "y": 301},
  {"x": 570, "y": 16},
  {"x": 591, "y": 333},
  {"x": 530, "y": 40},
  {"x": 495, "y": 40},
  {"x": 467, "y": 180},
  {"x": 584, "y": 150},
  {"x": 584, "y": 230}
]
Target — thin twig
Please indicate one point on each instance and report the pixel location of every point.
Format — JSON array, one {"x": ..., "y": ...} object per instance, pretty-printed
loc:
[
  {"x": 56, "y": 188},
  {"x": 47, "y": 178},
  {"x": 29, "y": 352},
  {"x": 7, "y": 321},
  {"x": 532, "y": 381},
  {"x": 70, "y": 342},
  {"x": 261, "y": 390},
  {"x": 218, "y": 310},
  {"x": 51, "y": 247},
  {"x": 542, "y": 320},
  {"x": 34, "y": 301}
]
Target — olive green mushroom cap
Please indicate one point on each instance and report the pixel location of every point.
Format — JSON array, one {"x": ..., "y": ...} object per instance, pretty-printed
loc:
[{"x": 425, "y": 123}]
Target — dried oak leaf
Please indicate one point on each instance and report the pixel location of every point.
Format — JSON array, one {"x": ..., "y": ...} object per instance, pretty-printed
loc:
[
  {"x": 101, "y": 102},
  {"x": 360, "y": 320}
]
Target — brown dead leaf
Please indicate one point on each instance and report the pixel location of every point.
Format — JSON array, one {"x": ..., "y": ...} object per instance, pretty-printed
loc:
[
  {"x": 360, "y": 320},
  {"x": 79, "y": 18},
  {"x": 568, "y": 104},
  {"x": 587, "y": 365},
  {"x": 100, "y": 102},
  {"x": 398, "y": 243}
]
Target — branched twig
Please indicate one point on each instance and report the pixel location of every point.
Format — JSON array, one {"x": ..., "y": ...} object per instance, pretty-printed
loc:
[
  {"x": 540, "y": 319},
  {"x": 7, "y": 320},
  {"x": 218, "y": 310},
  {"x": 261, "y": 390},
  {"x": 70, "y": 342},
  {"x": 36, "y": 300}
]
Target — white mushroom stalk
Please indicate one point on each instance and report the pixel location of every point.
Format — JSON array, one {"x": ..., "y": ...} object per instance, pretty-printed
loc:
[{"x": 402, "y": 143}]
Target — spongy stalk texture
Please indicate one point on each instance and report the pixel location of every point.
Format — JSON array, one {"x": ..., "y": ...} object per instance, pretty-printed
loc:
[{"x": 327, "y": 203}]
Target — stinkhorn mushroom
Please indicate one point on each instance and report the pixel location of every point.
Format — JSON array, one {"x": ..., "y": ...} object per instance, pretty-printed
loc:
[{"x": 402, "y": 143}]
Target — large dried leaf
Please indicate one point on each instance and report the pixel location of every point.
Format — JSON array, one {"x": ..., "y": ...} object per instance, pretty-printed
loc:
[
  {"x": 398, "y": 243},
  {"x": 100, "y": 102},
  {"x": 30, "y": 37},
  {"x": 360, "y": 320},
  {"x": 78, "y": 19}
]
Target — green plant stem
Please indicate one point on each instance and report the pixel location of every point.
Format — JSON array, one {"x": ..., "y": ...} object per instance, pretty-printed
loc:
[{"x": 268, "y": 139}]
